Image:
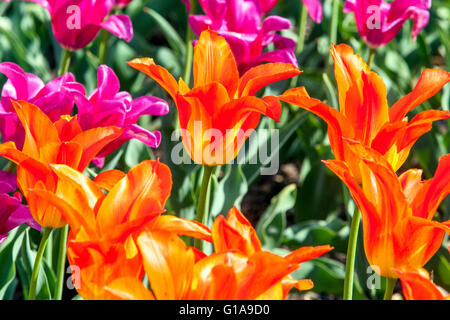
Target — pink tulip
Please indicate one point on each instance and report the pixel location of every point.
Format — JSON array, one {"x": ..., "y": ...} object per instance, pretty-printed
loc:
[
  {"x": 107, "y": 106},
  {"x": 12, "y": 212},
  {"x": 379, "y": 22},
  {"x": 76, "y": 23},
  {"x": 241, "y": 23},
  {"x": 314, "y": 8},
  {"x": 55, "y": 98}
]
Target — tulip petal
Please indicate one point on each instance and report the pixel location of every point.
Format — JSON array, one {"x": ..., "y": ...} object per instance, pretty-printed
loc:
[
  {"x": 433, "y": 191},
  {"x": 338, "y": 125},
  {"x": 182, "y": 227},
  {"x": 417, "y": 285},
  {"x": 157, "y": 73},
  {"x": 235, "y": 233},
  {"x": 94, "y": 140},
  {"x": 142, "y": 193},
  {"x": 260, "y": 76},
  {"x": 307, "y": 253},
  {"x": 39, "y": 130},
  {"x": 212, "y": 56},
  {"x": 430, "y": 82},
  {"x": 348, "y": 68},
  {"x": 129, "y": 289},
  {"x": 168, "y": 264},
  {"x": 108, "y": 179},
  {"x": 119, "y": 25}
]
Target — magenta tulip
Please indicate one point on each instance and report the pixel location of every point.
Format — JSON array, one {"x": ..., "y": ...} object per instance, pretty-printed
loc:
[
  {"x": 76, "y": 23},
  {"x": 379, "y": 22},
  {"x": 241, "y": 23},
  {"x": 107, "y": 106},
  {"x": 54, "y": 98},
  {"x": 12, "y": 212}
]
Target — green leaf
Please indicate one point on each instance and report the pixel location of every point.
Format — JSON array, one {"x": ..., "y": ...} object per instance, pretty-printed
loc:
[
  {"x": 25, "y": 264},
  {"x": 172, "y": 37},
  {"x": 331, "y": 231},
  {"x": 229, "y": 190},
  {"x": 272, "y": 223},
  {"x": 253, "y": 171},
  {"x": 9, "y": 250},
  {"x": 328, "y": 277}
]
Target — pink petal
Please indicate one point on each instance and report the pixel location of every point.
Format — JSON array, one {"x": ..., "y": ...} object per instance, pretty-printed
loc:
[
  {"x": 314, "y": 8},
  {"x": 119, "y": 25}
]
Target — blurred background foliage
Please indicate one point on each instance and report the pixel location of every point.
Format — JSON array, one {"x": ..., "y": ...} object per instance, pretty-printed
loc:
[{"x": 304, "y": 203}]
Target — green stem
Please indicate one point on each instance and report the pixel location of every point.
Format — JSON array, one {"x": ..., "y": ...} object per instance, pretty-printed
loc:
[
  {"x": 351, "y": 253},
  {"x": 334, "y": 26},
  {"x": 390, "y": 286},
  {"x": 303, "y": 18},
  {"x": 189, "y": 48},
  {"x": 103, "y": 47},
  {"x": 37, "y": 264},
  {"x": 61, "y": 262},
  {"x": 371, "y": 57},
  {"x": 202, "y": 212},
  {"x": 65, "y": 63},
  {"x": 334, "y": 22}
]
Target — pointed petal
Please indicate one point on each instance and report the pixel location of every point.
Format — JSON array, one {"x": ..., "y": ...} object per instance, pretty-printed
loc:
[
  {"x": 433, "y": 191},
  {"x": 182, "y": 226},
  {"x": 108, "y": 179},
  {"x": 142, "y": 193},
  {"x": 235, "y": 233},
  {"x": 307, "y": 253},
  {"x": 338, "y": 125},
  {"x": 39, "y": 130},
  {"x": 430, "y": 82},
  {"x": 348, "y": 68},
  {"x": 157, "y": 73},
  {"x": 92, "y": 142},
  {"x": 214, "y": 62},
  {"x": 168, "y": 264},
  {"x": 417, "y": 285},
  {"x": 119, "y": 25},
  {"x": 263, "y": 75}
]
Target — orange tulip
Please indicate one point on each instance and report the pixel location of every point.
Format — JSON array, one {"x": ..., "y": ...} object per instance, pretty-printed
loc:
[
  {"x": 220, "y": 112},
  {"x": 364, "y": 114},
  {"x": 62, "y": 142},
  {"x": 101, "y": 242},
  {"x": 417, "y": 285},
  {"x": 239, "y": 269},
  {"x": 397, "y": 212}
]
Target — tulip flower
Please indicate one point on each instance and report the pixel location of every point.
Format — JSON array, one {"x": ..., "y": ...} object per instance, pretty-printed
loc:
[
  {"x": 106, "y": 106},
  {"x": 62, "y": 142},
  {"x": 397, "y": 212},
  {"x": 220, "y": 112},
  {"x": 76, "y": 23},
  {"x": 241, "y": 23},
  {"x": 364, "y": 114},
  {"x": 54, "y": 98},
  {"x": 417, "y": 285},
  {"x": 12, "y": 212},
  {"x": 379, "y": 21},
  {"x": 239, "y": 269},
  {"x": 101, "y": 243}
]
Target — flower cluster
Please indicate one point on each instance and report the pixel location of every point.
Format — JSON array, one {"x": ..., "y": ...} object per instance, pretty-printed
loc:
[{"x": 125, "y": 240}]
